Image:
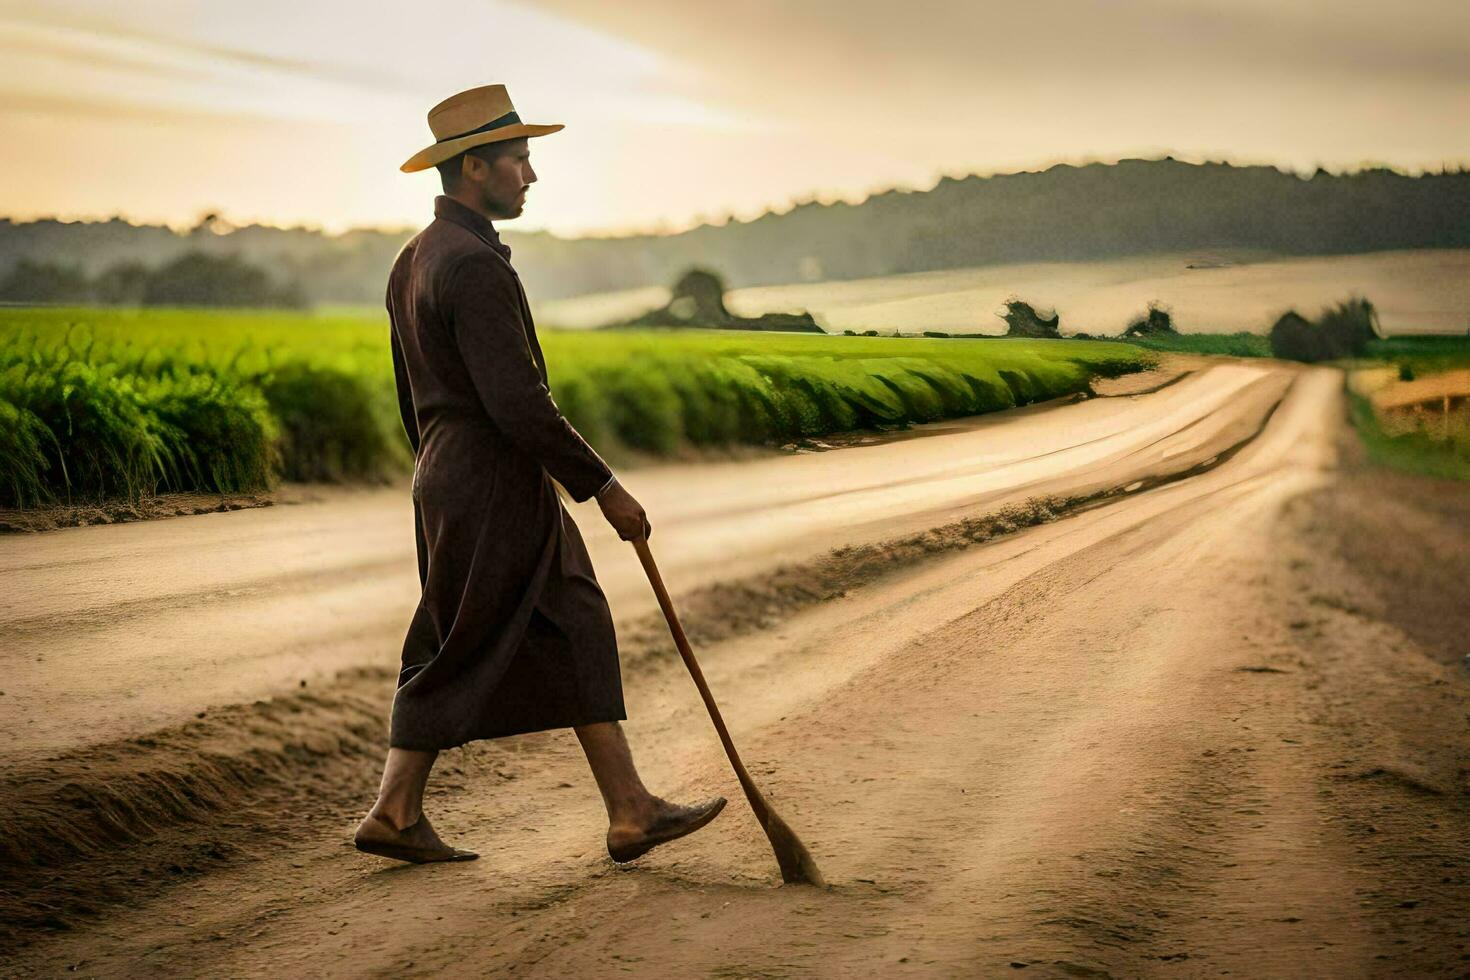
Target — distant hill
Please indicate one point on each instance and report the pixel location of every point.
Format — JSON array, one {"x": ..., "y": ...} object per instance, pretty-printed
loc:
[
  {"x": 348, "y": 268},
  {"x": 1065, "y": 213}
]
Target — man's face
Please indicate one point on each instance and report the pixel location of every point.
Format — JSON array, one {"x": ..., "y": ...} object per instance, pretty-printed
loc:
[{"x": 502, "y": 182}]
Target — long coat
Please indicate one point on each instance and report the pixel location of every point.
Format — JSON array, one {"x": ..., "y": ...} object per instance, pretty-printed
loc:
[{"x": 512, "y": 633}]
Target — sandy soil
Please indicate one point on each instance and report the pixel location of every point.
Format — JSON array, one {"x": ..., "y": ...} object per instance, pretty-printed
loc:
[
  {"x": 51, "y": 518},
  {"x": 1199, "y": 727}
]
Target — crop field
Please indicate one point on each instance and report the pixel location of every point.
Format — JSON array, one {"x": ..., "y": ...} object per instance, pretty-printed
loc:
[
  {"x": 1227, "y": 344},
  {"x": 1419, "y": 356},
  {"x": 99, "y": 403}
]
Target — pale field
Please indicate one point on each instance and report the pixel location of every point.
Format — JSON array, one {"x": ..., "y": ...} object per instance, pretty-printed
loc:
[{"x": 1421, "y": 291}]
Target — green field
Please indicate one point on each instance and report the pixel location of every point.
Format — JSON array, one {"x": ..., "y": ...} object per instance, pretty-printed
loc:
[
  {"x": 105, "y": 403},
  {"x": 1419, "y": 356},
  {"x": 1231, "y": 344}
]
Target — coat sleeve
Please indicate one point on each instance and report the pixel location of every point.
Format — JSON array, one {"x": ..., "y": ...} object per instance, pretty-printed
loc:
[
  {"x": 484, "y": 314},
  {"x": 405, "y": 394},
  {"x": 400, "y": 377}
]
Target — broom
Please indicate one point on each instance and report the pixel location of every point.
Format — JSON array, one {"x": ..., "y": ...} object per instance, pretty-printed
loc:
[{"x": 797, "y": 866}]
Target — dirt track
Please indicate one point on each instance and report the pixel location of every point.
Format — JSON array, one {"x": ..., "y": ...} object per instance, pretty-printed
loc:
[{"x": 1185, "y": 729}]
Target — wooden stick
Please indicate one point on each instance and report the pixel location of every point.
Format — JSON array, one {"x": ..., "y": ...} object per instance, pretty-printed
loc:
[{"x": 796, "y": 862}]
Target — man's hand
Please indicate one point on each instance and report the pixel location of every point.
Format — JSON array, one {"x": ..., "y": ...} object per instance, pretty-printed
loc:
[{"x": 624, "y": 513}]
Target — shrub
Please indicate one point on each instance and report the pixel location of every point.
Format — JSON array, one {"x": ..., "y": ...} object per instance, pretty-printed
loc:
[
  {"x": 1156, "y": 321},
  {"x": 1351, "y": 325},
  {"x": 1343, "y": 330},
  {"x": 1023, "y": 320}
]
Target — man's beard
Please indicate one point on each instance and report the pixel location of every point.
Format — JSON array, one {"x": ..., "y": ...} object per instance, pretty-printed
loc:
[{"x": 502, "y": 208}]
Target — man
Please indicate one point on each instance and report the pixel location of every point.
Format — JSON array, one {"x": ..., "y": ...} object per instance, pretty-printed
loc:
[{"x": 513, "y": 633}]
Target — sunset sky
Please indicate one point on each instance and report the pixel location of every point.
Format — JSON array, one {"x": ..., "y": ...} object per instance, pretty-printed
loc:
[{"x": 679, "y": 111}]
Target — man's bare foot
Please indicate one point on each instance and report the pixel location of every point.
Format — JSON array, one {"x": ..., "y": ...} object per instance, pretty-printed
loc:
[
  {"x": 417, "y": 842},
  {"x": 669, "y": 821}
]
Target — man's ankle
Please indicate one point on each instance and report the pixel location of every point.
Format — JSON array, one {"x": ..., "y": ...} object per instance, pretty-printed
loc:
[
  {"x": 396, "y": 817},
  {"x": 635, "y": 814}
]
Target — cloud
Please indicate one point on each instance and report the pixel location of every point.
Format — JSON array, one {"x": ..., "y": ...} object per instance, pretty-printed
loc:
[
  {"x": 920, "y": 59},
  {"x": 72, "y": 62},
  {"x": 86, "y": 39},
  {"x": 676, "y": 107},
  {"x": 26, "y": 40},
  {"x": 59, "y": 106}
]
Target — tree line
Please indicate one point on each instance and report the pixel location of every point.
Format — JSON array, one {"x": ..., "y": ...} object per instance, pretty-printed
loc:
[
  {"x": 1064, "y": 214},
  {"x": 192, "y": 279}
]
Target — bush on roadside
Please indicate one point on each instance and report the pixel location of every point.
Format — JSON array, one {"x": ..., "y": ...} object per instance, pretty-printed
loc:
[{"x": 1344, "y": 330}]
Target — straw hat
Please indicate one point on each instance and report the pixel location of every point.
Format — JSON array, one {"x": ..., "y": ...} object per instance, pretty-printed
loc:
[{"x": 472, "y": 118}]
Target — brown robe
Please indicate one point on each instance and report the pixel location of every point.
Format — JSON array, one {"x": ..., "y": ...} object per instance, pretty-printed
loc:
[{"x": 512, "y": 633}]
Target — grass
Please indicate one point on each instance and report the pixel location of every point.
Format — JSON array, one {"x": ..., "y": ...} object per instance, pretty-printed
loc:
[
  {"x": 106, "y": 403},
  {"x": 1423, "y": 355},
  {"x": 1230, "y": 344},
  {"x": 1429, "y": 453},
  {"x": 1414, "y": 452}
]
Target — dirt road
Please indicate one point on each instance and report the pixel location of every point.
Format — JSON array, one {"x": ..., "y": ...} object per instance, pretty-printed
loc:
[
  {"x": 111, "y": 631},
  {"x": 1181, "y": 729}
]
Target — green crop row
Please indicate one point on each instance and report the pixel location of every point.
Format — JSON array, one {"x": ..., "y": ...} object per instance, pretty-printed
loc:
[
  {"x": 1227, "y": 344},
  {"x": 1422, "y": 355},
  {"x": 104, "y": 403}
]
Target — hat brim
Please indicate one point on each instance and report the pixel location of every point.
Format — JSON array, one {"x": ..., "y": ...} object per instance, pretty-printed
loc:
[{"x": 436, "y": 154}]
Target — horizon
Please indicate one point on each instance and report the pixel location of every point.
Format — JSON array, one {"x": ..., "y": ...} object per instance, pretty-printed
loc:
[
  {"x": 297, "y": 116},
  {"x": 785, "y": 207}
]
